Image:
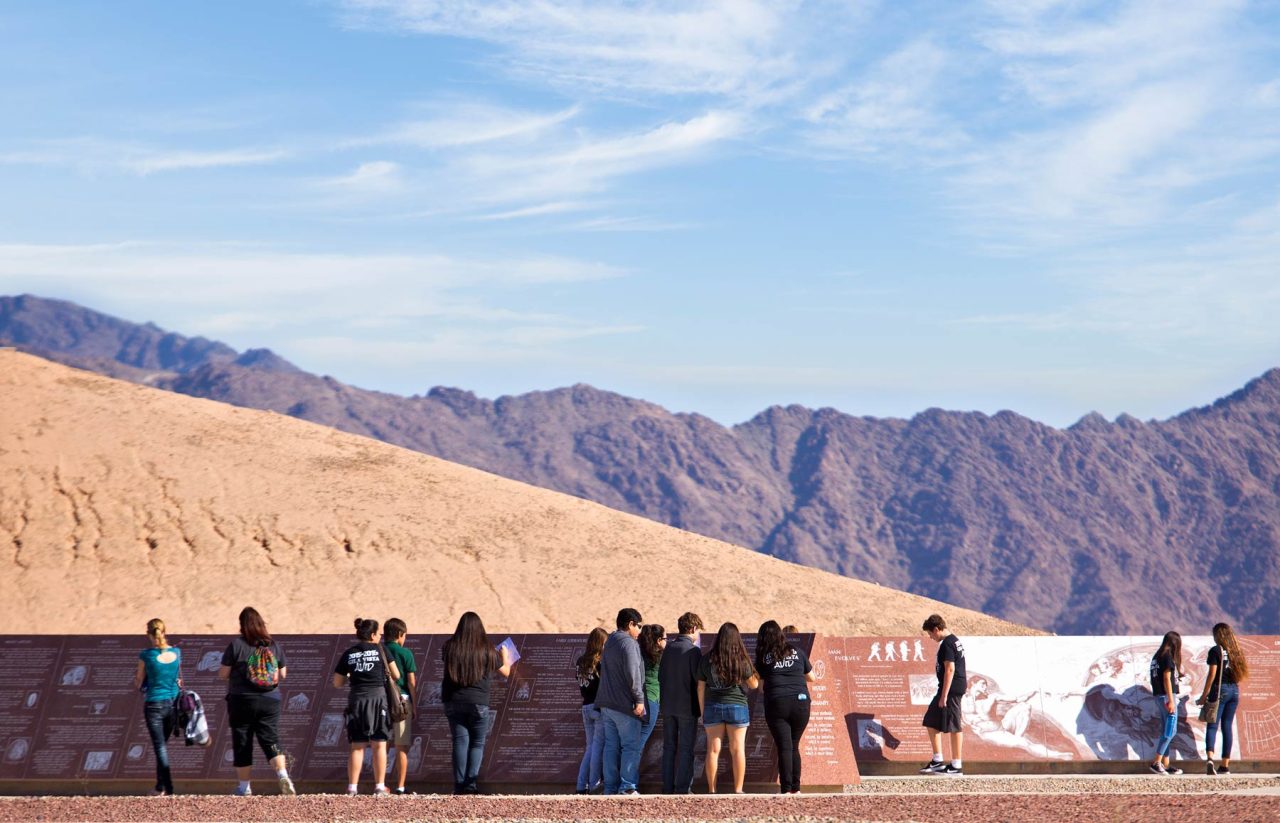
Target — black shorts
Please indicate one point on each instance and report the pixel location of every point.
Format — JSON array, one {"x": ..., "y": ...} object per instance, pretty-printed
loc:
[
  {"x": 367, "y": 719},
  {"x": 940, "y": 719}
]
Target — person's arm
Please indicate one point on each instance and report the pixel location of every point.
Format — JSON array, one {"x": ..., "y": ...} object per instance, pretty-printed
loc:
[
  {"x": 412, "y": 683},
  {"x": 339, "y": 680},
  {"x": 948, "y": 674},
  {"x": 702, "y": 695},
  {"x": 753, "y": 681},
  {"x": 394, "y": 669},
  {"x": 1168, "y": 690},
  {"x": 505, "y": 668},
  {"x": 139, "y": 675},
  {"x": 224, "y": 672},
  {"x": 809, "y": 676},
  {"x": 635, "y": 662},
  {"x": 1208, "y": 685},
  {"x": 284, "y": 672}
]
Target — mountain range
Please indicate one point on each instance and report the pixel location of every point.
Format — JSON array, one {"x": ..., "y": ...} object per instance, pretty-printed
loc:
[{"x": 1105, "y": 527}]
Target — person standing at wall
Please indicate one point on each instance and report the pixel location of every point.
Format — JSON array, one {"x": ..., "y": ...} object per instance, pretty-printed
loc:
[
  {"x": 395, "y": 633},
  {"x": 470, "y": 661},
  {"x": 158, "y": 673},
  {"x": 1227, "y": 660},
  {"x": 363, "y": 667},
  {"x": 1166, "y": 668},
  {"x": 254, "y": 666},
  {"x": 724, "y": 675},
  {"x": 622, "y": 704},
  {"x": 653, "y": 641},
  {"x": 678, "y": 705},
  {"x": 943, "y": 715},
  {"x": 786, "y": 673},
  {"x": 587, "y": 670}
]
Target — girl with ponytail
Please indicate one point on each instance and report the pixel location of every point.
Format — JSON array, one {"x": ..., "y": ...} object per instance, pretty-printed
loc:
[{"x": 158, "y": 677}]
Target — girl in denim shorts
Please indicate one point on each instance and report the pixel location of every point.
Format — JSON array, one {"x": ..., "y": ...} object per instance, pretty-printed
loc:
[{"x": 724, "y": 675}]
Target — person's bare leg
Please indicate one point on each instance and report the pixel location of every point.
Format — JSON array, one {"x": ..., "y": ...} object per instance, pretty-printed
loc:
[
  {"x": 402, "y": 766},
  {"x": 935, "y": 741},
  {"x": 957, "y": 746},
  {"x": 738, "y": 756},
  {"x": 355, "y": 761},
  {"x": 713, "y": 755},
  {"x": 379, "y": 762},
  {"x": 242, "y": 773}
]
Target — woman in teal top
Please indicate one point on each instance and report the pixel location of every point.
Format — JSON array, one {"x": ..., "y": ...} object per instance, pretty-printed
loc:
[
  {"x": 653, "y": 639},
  {"x": 158, "y": 677}
]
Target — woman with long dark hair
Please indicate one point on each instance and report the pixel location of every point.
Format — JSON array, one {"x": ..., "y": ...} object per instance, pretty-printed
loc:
[
  {"x": 159, "y": 669},
  {"x": 1226, "y": 658},
  {"x": 587, "y": 669},
  {"x": 786, "y": 671},
  {"x": 254, "y": 666},
  {"x": 653, "y": 642},
  {"x": 724, "y": 675},
  {"x": 469, "y": 663},
  {"x": 1166, "y": 668},
  {"x": 368, "y": 724}
]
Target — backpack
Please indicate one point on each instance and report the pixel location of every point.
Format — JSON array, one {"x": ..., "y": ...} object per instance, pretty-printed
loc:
[
  {"x": 189, "y": 711},
  {"x": 262, "y": 669}
]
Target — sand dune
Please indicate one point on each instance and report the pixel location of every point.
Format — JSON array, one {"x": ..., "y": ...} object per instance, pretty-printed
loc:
[{"x": 120, "y": 502}]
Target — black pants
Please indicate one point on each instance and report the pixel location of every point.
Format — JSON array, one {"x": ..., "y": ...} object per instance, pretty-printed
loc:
[
  {"x": 250, "y": 716},
  {"x": 786, "y": 718},
  {"x": 679, "y": 734},
  {"x": 161, "y": 720}
]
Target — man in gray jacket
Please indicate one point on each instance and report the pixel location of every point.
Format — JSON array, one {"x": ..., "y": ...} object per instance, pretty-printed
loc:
[
  {"x": 621, "y": 703},
  {"x": 677, "y": 678}
]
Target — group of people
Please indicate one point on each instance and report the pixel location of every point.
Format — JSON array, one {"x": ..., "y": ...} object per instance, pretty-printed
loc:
[
  {"x": 628, "y": 679},
  {"x": 633, "y": 676},
  {"x": 1220, "y": 696},
  {"x": 376, "y": 669}
]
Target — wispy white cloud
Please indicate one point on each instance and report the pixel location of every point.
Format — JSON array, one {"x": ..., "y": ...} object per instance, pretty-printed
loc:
[
  {"x": 96, "y": 155},
  {"x": 454, "y": 124},
  {"x": 371, "y": 178}
]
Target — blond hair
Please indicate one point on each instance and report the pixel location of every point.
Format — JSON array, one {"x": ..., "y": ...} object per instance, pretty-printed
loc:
[{"x": 155, "y": 629}]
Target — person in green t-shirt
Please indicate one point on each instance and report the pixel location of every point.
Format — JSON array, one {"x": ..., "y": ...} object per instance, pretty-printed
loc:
[
  {"x": 402, "y": 733},
  {"x": 653, "y": 639}
]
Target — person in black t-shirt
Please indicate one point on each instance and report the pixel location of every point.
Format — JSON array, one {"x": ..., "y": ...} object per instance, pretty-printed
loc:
[
  {"x": 254, "y": 711},
  {"x": 469, "y": 663},
  {"x": 943, "y": 714},
  {"x": 1166, "y": 667},
  {"x": 364, "y": 669},
  {"x": 1227, "y": 656},
  {"x": 786, "y": 673},
  {"x": 587, "y": 669}
]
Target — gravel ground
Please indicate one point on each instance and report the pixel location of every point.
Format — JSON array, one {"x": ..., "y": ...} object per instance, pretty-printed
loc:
[{"x": 1044, "y": 800}]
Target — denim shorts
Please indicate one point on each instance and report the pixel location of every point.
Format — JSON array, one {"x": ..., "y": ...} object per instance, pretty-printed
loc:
[{"x": 731, "y": 714}]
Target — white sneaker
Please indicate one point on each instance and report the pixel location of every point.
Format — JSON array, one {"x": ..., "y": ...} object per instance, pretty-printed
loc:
[
  {"x": 245, "y": 792},
  {"x": 286, "y": 786}
]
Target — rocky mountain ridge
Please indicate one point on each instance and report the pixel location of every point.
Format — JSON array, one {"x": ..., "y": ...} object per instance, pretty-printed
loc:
[{"x": 1103, "y": 527}]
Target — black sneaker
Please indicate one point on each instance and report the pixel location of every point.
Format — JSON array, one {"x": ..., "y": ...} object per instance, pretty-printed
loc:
[
  {"x": 1156, "y": 768},
  {"x": 1224, "y": 770},
  {"x": 1209, "y": 768},
  {"x": 1173, "y": 770},
  {"x": 953, "y": 771},
  {"x": 933, "y": 767}
]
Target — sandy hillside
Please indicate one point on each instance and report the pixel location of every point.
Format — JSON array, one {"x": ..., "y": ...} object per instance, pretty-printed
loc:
[{"x": 120, "y": 502}]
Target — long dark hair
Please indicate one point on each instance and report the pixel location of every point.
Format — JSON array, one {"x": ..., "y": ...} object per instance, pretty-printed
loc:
[
  {"x": 589, "y": 661},
  {"x": 729, "y": 656},
  {"x": 1224, "y": 637},
  {"x": 650, "y": 648},
  {"x": 771, "y": 641},
  {"x": 1172, "y": 645},
  {"x": 253, "y": 629},
  {"x": 469, "y": 657}
]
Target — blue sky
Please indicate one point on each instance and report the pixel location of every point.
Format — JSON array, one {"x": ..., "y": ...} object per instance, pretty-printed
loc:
[{"x": 1051, "y": 207}]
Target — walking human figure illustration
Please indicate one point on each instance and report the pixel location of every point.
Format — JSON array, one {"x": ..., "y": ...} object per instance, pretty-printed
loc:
[
  {"x": 919, "y": 655},
  {"x": 890, "y": 652},
  {"x": 875, "y": 652},
  {"x": 902, "y": 651}
]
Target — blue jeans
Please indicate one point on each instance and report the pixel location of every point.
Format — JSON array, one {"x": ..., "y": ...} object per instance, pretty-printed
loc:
[
  {"x": 622, "y": 747},
  {"x": 469, "y": 723},
  {"x": 589, "y": 774},
  {"x": 679, "y": 734},
  {"x": 1168, "y": 731},
  {"x": 650, "y": 720},
  {"x": 161, "y": 720},
  {"x": 1228, "y": 702}
]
